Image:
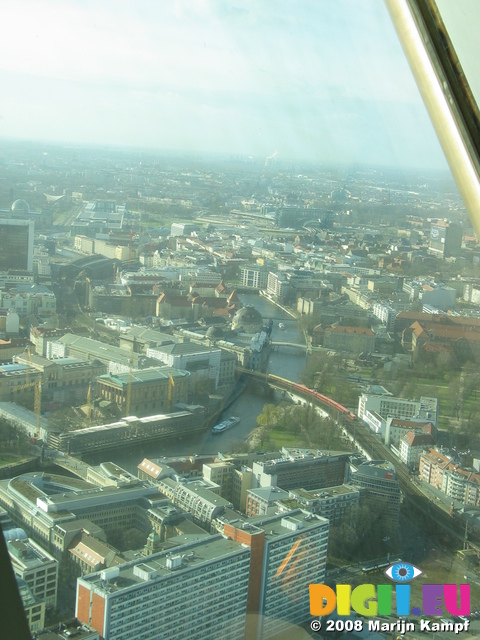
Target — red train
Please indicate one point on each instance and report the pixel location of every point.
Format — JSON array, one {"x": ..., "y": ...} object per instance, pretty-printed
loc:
[{"x": 311, "y": 392}]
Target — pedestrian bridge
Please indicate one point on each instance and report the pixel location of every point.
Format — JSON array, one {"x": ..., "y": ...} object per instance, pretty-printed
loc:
[{"x": 294, "y": 345}]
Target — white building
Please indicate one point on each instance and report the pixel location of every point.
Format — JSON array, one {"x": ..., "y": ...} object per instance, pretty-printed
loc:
[
  {"x": 277, "y": 285},
  {"x": 41, "y": 304},
  {"x": 385, "y": 313},
  {"x": 388, "y": 406},
  {"x": 255, "y": 277},
  {"x": 412, "y": 446},
  {"x": 190, "y": 356},
  {"x": 396, "y": 428}
]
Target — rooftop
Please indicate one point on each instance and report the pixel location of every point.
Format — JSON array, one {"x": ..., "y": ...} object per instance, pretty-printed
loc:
[
  {"x": 161, "y": 565},
  {"x": 151, "y": 374}
]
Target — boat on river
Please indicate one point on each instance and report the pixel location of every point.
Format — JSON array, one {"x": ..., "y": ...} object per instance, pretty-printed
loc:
[{"x": 225, "y": 425}]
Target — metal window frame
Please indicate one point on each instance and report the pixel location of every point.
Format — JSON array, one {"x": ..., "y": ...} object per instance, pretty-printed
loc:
[{"x": 445, "y": 91}]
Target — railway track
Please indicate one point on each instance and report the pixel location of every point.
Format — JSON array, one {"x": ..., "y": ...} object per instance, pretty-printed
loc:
[{"x": 370, "y": 443}]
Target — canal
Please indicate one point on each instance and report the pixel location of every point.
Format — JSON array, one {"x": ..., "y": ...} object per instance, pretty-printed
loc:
[{"x": 284, "y": 361}]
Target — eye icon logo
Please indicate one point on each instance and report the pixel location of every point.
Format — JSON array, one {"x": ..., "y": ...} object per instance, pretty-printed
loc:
[{"x": 402, "y": 572}]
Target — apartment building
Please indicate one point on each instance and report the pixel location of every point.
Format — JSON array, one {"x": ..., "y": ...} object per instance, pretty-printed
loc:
[
  {"x": 412, "y": 445},
  {"x": 39, "y": 303},
  {"x": 442, "y": 472},
  {"x": 254, "y": 277},
  {"x": 396, "y": 428},
  {"x": 278, "y": 285}
]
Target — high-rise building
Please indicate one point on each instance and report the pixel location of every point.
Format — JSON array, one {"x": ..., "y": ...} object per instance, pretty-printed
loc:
[
  {"x": 198, "y": 590},
  {"x": 289, "y": 552},
  {"x": 251, "y": 582},
  {"x": 446, "y": 238},
  {"x": 16, "y": 244}
]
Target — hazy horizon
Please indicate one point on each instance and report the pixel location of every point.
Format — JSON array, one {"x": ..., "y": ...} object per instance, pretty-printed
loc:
[{"x": 315, "y": 82}]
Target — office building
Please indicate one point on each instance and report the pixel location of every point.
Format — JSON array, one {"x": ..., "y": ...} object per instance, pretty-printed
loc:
[
  {"x": 197, "y": 497},
  {"x": 379, "y": 478},
  {"x": 129, "y": 431},
  {"x": 375, "y": 409},
  {"x": 289, "y": 552},
  {"x": 47, "y": 505},
  {"x": 445, "y": 239},
  {"x": 16, "y": 244},
  {"x": 263, "y": 501},
  {"x": 196, "y": 591},
  {"x": 34, "y": 608},
  {"x": 37, "y": 567},
  {"x": 333, "y": 503},
  {"x": 301, "y": 468}
]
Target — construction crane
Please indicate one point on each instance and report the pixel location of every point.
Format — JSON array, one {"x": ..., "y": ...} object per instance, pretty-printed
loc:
[
  {"x": 87, "y": 283},
  {"x": 129, "y": 386},
  {"x": 37, "y": 403},
  {"x": 89, "y": 402},
  {"x": 37, "y": 398},
  {"x": 171, "y": 384},
  {"x": 27, "y": 385},
  {"x": 27, "y": 373}
]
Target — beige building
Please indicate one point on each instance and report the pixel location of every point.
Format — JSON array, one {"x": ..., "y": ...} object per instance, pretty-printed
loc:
[
  {"x": 34, "y": 608},
  {"x": 146, "y": 392},
  {"x": 64, "y": 380},
  {"x": 37, "y": 567},
  {"x": 354, "y": 340}
]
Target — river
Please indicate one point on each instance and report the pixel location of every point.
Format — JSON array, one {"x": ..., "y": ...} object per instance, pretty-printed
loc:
[{"x": 284, "y": 361}]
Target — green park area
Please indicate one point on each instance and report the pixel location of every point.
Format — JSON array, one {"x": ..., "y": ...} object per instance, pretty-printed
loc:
[{"x": 7, "y": 459}]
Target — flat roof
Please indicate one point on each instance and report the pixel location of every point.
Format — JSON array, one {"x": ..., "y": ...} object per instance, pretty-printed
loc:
[
  {"x": 192, "y": 555},
  {"x": 151, "y": 374}
]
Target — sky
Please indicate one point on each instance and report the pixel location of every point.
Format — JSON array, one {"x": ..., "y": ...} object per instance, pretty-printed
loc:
[{"x": 317, "y": 80}]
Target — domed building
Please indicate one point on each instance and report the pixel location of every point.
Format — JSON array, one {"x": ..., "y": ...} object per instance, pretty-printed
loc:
[
  {"x": 215, "y": 333},
  {"x": 20, "y": 207},
  {"x": 247, "y": 319}
]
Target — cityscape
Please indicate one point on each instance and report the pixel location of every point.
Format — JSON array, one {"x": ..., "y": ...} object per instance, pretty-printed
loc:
[
  {"x": 239, "y": 320},
  {"x": 223, "y": 380}
]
